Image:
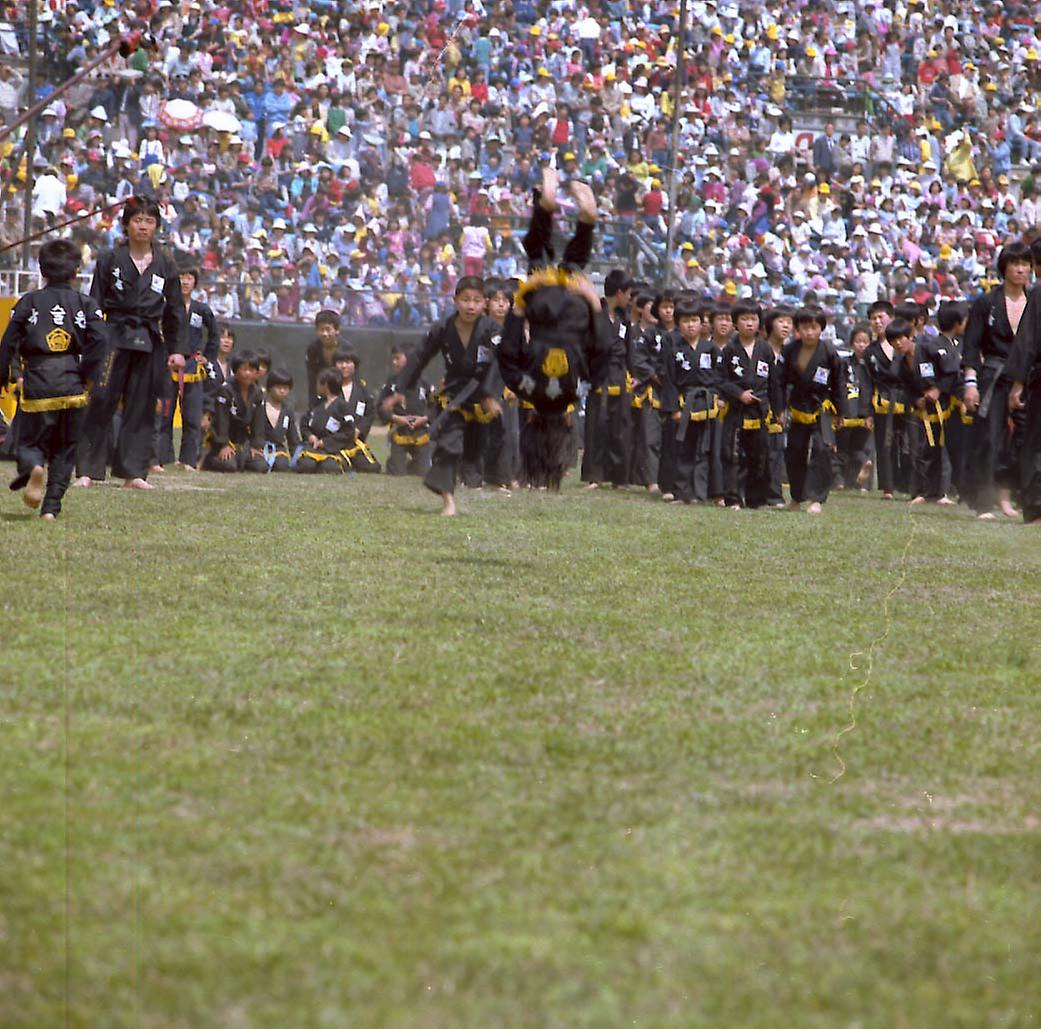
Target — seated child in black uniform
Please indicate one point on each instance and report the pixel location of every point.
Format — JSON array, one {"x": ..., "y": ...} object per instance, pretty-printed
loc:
[
  {"x": 328, "y": 429},
  {"x": 361, "y": 410},
  {"x": 277, "y": 423},
  {"x": 56, "y": 339},
  {"x": 408, "y": 420},
  {"x": 235, "y": 444}
]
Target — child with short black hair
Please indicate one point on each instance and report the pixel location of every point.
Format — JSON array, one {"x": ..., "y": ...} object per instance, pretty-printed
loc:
[
  {"x": 930, "y": 381},
  {"x": 56, "y": 340},
  {"x": 408, "y": 420},
  {"x": 854, "y": 440},
  {"x": 747, "y": 364},
  {"x": 888, "y": 404},
  {"x": 276, "y": 422},
  {"x": 326, "y": 429},
  {"x": 952, "y": 319},
  {"x": 235, "y": 442},
  {"x": 810, "y": 384},
  {"x": 500, "y": 458},
  {"x": 320, "y": 350},
  {"x": 361, "y": 410}
]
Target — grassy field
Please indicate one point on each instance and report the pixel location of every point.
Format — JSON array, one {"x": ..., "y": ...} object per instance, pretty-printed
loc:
[{"x": 298, "y": 752}]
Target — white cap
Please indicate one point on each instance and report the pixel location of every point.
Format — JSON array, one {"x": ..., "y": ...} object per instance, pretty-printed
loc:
[
  {"x": 99, "y": 112},
  {"x": 278, "y": 223}
]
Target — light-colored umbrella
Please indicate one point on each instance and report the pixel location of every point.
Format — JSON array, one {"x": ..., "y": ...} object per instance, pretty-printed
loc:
[
  {"x": 180, "y": 114},
  {"x": 221, "y": 121}
]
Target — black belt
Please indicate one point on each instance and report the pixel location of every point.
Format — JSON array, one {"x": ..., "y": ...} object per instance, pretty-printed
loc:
[{"x": 999, "y": 367}]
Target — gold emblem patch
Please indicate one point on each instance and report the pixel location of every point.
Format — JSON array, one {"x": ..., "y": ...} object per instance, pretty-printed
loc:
[{"x": 58, "y": 340}]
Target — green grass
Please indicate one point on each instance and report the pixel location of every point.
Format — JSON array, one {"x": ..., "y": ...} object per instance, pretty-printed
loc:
[{"x": 563, "y": 761}]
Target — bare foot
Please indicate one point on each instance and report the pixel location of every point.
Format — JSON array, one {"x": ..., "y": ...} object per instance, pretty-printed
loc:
[
  {"x": 33, "y": 495},
  {"x": 720, "y": 502},
  {"x": 733, "y": 507},
  {"x": 84, "y": 480},
  {"x": 1008, "y": 510},
  {"x": 550, "y": 185},
  {"x": 586, "y": 202},
  {"x": 49, "y": 517},
  {"x": 887, "y": 496},
  {"x": 157, "y": 468},
  {"x": 918, "y": 500},
  {"x": 137, "y": 484},
  {"x": 515, "y": 485},
  {"x": 653, "y": 488},
  {"x": 592, "y": 485},
  {"x": 182, "y": 467},
  {"x": 448, "y": 505},
  {"x": 946, "y": 502},
  {"x": 864, "y": 475},
  {"x": 987, "y": 516},
  {"x": 668, "y": 497},
  {"x": 795, "y": 505},
  {"x": 814, "y": 508}
]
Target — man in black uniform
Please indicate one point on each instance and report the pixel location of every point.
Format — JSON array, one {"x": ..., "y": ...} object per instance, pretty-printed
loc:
[
  {"x": 200, "y": 321},
  {"x": 1023, "y": 371},
  {"x": 137, "y": 286},
  {"x": 55, "y": 341},
  {"x": 991, "y": 469}
]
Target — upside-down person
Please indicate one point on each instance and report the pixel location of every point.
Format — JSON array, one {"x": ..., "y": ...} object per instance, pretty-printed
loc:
[
  {"x": 553, "y": 335},
  {"x": 465, "y": 341}
]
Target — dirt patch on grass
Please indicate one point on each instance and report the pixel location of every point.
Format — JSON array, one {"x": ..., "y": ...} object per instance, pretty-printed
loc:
[{"x": 950, "y": 824}]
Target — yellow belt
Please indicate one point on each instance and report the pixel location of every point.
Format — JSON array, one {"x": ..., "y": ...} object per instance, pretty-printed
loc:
[
  {"x": 611, "y": 391},
  {"x": 320, "y": 455},
  {"x": 196, "y": 376},
  {"x": 935, "y": 417},
  {"x": 405, "y": 440},
  {"x": 643, "y": 397},
  {"x": 805, "y": 417},
  {"x": 53, "y": 403},
  {"x": 883, "y": 406},
  {"x": 475, "y": 414},
  {"x": 854, "y": 423},
  {"x": 358, "y": 448}
]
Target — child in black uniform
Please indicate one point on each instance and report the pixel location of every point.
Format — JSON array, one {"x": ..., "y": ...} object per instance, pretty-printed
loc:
[
  {"x": 57, "y": 337},
  {"x": 277, "y": 424},
  {"x": 408, "y": 420},
  {"x": 361, "y": 411},
  {"x": 326, "y": 429},
  {"x": 236, "y": 437},
  {"x": 855, "y": 439},
  {"x": 809, "y": 375}
]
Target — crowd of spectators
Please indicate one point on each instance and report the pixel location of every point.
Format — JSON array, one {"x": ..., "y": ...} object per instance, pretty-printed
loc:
[{"x": 378, "y": 151}]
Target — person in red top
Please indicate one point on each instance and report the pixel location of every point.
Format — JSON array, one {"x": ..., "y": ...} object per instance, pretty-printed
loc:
[
  {"x": 422, "y": 174},
  {"x": 653, "y": 200}
]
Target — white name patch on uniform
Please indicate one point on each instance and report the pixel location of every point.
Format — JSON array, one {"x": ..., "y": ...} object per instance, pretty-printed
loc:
[
  {"x": 820, "y": 376},
  {"x": 158, "y": 284}
]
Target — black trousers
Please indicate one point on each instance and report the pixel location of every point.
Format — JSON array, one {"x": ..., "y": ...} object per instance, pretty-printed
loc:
[
  {"x": 445, "y": 462},
  {"x": 692, "y": 462},
  {"x": 746, "y": 462},
  {"x": 47, "y": 439},
  {"x": 132, "y": 378},
  {"x": 716, "y": 486},
  {"x": 408, "y": 460},
  {"x": 891, "y": 452},
  {"x": 808, "y": 460},
  {"x": 499, "y": 466},
  {"x": 644, "y": 449},
  {"x": 538, "y": 240},
  {"x": 855, "y": 445},
  {"x": 992, "y": 450},
  {"x": 1030, "y": 457},
  {"x": 778, "y": 473},
  {"x": 927, "y": 461},
  {"x": 607, "y": 424},
  {"x": 957, "y": 439},
  {"x": 191, "y": 424},
  {"x": 667, "y": 463},
  {"x": 241, "y": 461}
]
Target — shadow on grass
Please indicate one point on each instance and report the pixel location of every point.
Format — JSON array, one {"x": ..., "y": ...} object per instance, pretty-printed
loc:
[{"x": 26, "y": 516}]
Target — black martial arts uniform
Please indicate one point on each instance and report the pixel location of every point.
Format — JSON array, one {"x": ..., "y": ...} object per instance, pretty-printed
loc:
[
  {"x": 669, "y": 405},
  {"x": 693, "y": 374},
  {"x": 409, "y": 447},
  {"x": 776, "y": 444},
  {"x": 147, "y": 322},
  {"x": 889, "y": 406},
  {"x": 332, "y": 423},
  {"x": 217, "y": 375},
  {"x": 991, "y": 453},
  {"x": 856, "y": 436},
  {"x": 806, "y": 393},
  {"x": 361, "y": 411},
  {"x": 467, "y": 376},
  {"x": 925, "y": 369},
  {"x": 316, "y": 359},
  {"x": 1024, "y": 365},
  {"x": 746, "y": 428},
  {"x": 55, "y": 341},
  {"x": 280, "y": 437},
  {"x": 644, "y": 438},
  {"x": 608, "y": 404},
  {"x": 201, "y": 323},
  {"x": 550, "y": 341},
  {"x": 236, "y": 423}
]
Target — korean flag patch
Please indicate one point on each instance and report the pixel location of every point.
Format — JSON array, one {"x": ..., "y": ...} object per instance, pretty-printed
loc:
[
  {"x": 158, "y": 284},
  {"x": 332, "y": 425},
  {"x": 762, "y": 369},
  {"x": 925, "y": 369},
  {"x": 820, "y": 376}
]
